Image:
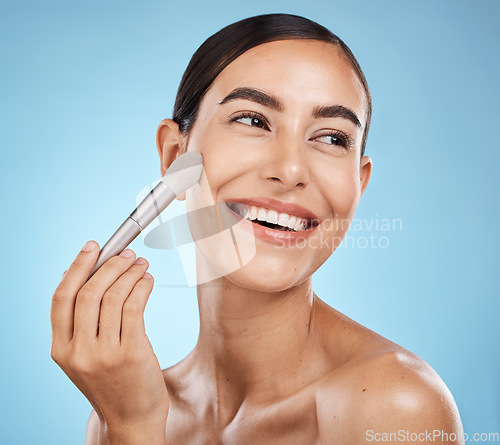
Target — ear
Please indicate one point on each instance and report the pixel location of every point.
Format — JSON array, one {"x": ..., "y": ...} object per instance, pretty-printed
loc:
[
  {"x": 170, "y": 144},
  {"x": 365, "y": 172}
]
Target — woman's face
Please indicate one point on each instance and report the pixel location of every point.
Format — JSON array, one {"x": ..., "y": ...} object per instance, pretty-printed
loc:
[{"x": 271, "y": 126}]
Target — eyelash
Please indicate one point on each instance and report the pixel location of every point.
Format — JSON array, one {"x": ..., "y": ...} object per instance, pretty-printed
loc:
[
  {"x": 251, "y": 115},
  {"x": 345, "y": 140}
]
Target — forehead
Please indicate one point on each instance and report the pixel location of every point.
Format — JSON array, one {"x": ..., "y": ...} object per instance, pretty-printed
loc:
[{"x": 298, "y": 72}]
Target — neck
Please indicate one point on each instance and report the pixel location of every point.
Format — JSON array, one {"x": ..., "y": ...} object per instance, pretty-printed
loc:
[{"x": 254, "y": 342}]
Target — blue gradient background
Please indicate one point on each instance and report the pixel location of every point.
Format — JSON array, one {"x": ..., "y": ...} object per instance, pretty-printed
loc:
[{"x": 84, "y": 85}]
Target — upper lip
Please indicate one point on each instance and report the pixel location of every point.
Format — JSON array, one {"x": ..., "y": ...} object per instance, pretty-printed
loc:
[{"x": 291, "y": 208}]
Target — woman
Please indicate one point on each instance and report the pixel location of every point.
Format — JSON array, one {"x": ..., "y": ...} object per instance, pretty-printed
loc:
[{"x": 280, "y": 110}]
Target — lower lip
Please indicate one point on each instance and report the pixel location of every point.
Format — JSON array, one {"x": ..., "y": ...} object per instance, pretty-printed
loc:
[{"x": 279, "y": 237}]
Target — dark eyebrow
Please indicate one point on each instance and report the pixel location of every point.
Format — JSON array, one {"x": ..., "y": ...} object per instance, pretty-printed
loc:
[
  {"x": 337, "y": 111},
  {"x": 267, "y": 100},
  {"x": 255, "y": 96}
]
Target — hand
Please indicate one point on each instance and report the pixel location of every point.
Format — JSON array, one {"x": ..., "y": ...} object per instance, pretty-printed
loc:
[{"x": 99, "y": 339}]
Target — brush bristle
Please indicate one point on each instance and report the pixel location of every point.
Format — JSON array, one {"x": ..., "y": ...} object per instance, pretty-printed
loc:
[{"x": 184, "y": 172}]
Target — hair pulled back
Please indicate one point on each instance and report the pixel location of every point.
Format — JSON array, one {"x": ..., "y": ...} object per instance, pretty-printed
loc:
[{"x": 219, "y": 50}]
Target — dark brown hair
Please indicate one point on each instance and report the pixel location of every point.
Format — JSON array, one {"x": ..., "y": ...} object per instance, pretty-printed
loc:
[{"x": 219, "y": 50}]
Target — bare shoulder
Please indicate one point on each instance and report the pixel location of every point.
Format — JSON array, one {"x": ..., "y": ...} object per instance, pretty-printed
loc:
[
  {"x": 379, "y": 387},
  {"x": 390, "y": 391}
]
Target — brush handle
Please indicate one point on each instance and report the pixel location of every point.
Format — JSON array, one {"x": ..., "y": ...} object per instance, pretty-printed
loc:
[
  {"x": 123, "y": 236},
  {"x": 150, "y": 207}
]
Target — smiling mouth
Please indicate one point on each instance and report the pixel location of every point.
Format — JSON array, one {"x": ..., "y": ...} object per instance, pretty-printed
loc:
[{"x": 271, "y": 218}]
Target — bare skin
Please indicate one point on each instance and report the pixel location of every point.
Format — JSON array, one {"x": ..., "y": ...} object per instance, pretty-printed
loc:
[
  {"x": 340, "y": 387},
  {"x": 273, "y": 363}
]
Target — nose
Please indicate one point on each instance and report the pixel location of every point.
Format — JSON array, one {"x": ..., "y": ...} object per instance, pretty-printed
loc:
[{"x": 286, "y": 165}]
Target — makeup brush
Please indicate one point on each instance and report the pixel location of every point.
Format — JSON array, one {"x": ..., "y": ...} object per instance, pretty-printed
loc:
[{"x": 183, "y": 173}]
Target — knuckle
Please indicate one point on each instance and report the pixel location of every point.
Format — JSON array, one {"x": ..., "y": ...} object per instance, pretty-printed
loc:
[
  {"x": 108, "y": 361},
  {"x": 79, "y": 364},
  {"x": 79, "y": 261},
  {"x": 86, "y": 294},
  {"x": 61, "y": 294},
  {"x": 133, "y": 307},
  {"x": 59, "y": 352},
  {"x": 116, "y": 263},
  {"x": 56, "y": 355},
  {"x": 81, "y": 360},
  {"x": 114, "y": 296}
]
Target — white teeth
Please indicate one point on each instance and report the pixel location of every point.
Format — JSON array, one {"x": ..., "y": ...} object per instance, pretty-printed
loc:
[
  {"x": 261, "y": 215},
  {"x": 252, "y": 212},
  {"x": 272, "y": 216},
  {"x": 283, "y": 220}
]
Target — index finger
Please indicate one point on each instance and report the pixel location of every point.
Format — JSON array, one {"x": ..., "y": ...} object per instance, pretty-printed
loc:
[{"x": 63, "y": 300}]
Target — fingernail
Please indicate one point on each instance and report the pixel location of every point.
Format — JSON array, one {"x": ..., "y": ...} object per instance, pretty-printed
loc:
[
  {"x": 89, "y": 246},
  {"x": 147, "y": 276},
  {"x": 140, "y": 261},
  {"x": 127, "y": 253}
]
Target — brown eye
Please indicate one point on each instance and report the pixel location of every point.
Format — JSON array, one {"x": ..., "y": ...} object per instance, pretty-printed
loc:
[
  {"x": 336, "y": 138},
  {"x": 331, "y": 139},
  {"x": 257, "y": 122},
  {"x": 252, "y": 121}
]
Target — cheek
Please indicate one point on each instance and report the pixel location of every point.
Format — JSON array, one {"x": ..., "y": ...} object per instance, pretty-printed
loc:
[
  {"x": 223, "y": 251},
  {"x": 341, "y": 188},
  {"x": 216, "y": 163},
  {"x": 225, "y": 158}
]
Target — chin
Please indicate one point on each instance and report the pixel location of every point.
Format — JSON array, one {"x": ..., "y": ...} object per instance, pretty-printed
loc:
[
  {"x": 228, "y": 247},
  {"x": 255, "y": 269},
  {"x": 268, "y": 276}
]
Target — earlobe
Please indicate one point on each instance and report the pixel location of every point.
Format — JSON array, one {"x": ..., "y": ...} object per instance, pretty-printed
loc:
[
  {"x": 365, "y": 172},
  {"x": 169, "y": 143}
]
